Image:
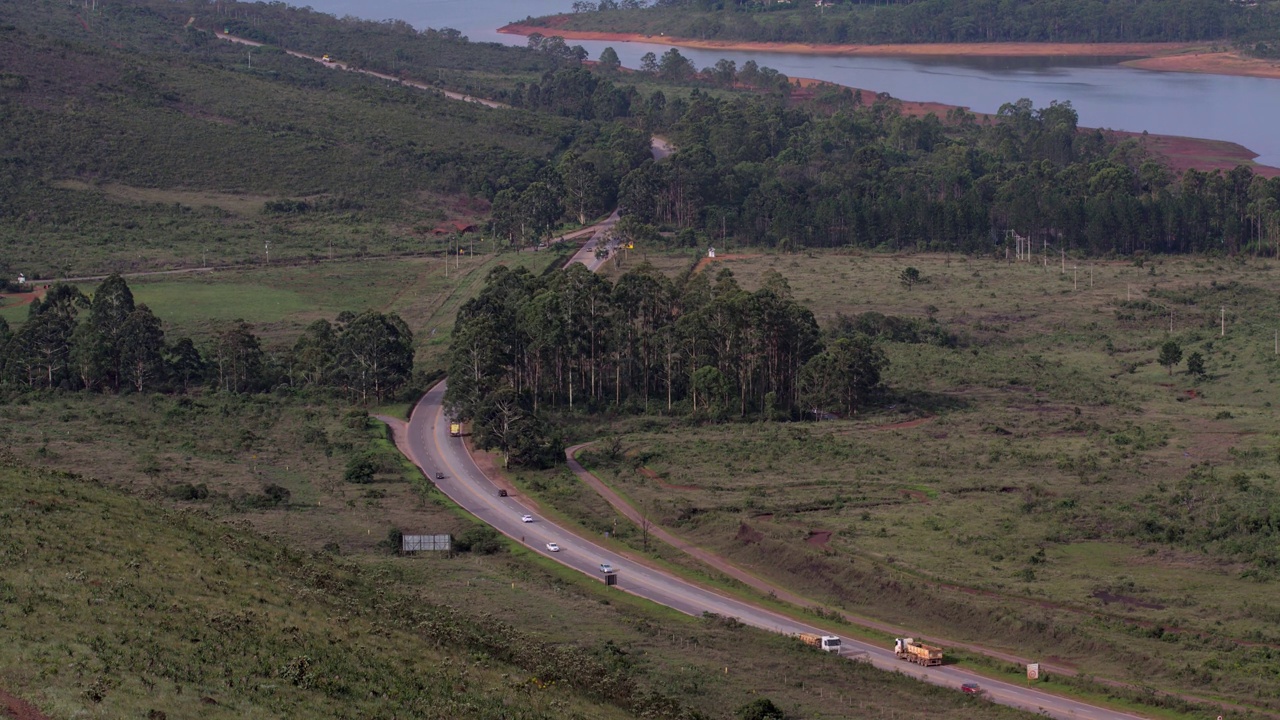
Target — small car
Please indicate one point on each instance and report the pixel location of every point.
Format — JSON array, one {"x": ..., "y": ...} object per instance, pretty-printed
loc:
[
  {"x": 502, "y": 493},
  {"x": 439, "y": 475},
  {"x": 552, "y": 547},
  {"x": 527, "y": 518},
  {"x": 971, "y": 689},
  {"x": 606, "y": 568}
]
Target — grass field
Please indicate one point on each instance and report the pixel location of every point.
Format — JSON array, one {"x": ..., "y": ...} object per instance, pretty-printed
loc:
[
  {"x": 1045, "y": 488},
  {"x": 152, "y": 551}
]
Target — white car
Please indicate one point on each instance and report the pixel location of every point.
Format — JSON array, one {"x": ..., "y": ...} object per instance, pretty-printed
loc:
[
  {"x": 527, "y": 518},
  {"x": 552, "y": 547},
  {"x": 606, "y": 568}
]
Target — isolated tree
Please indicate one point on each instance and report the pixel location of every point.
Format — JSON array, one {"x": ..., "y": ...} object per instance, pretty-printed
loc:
[
  {"x": 108, "y": 311},
  {"x": 909, "y": 277},
  {"x": 1170, "y": 355},
  {"x": 1195, "y": 365},
  {"x": 609, "y": 62}
]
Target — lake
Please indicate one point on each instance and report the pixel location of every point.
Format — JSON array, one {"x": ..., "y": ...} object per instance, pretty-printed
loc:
[{"x": 1105, "y": 94}]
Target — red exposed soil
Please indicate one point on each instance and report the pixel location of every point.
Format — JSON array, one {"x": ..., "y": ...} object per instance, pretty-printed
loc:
[
  {"x": 14, "y": 707},
  {"x": 555, "y": 25},
  {"x": 20, "y": 299},
  {"x": 820, "y": 538},
  {"x": 704, "y": 262}
]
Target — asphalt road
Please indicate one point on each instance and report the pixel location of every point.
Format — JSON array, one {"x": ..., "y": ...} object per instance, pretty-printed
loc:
[{"x": 429, "y": 445}]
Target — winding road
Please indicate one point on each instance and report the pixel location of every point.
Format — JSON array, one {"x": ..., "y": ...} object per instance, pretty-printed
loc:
[{"x": 426, "y": 441}]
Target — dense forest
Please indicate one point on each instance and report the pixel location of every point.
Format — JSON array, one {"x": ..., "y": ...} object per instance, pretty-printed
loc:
[
  {"x": 934, "y": 21},
  {"x": 873, "y": 177},
  {"x": 107, "y": 343},
  {"x": 693, "y": 346}
]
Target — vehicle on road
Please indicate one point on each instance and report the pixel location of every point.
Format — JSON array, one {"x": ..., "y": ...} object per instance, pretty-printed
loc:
[
  {"x": 455, "y": 428},
  {"x": 828, "y": 643},
  {"x": 552, "y": 547},
  {"x": 919, "y": 653},
  {"x": 327, "y": 59},
  {"x": 971, "y": 689},
  {"x": 439, "y": 475},
  {"x": 502, "y": 493},
  {"x": 527, "y": 518},
  {"x": 606, "y": 568}
]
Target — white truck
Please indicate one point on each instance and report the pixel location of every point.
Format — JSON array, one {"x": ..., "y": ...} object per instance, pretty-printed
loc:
[{"x": 827, "y": 643}]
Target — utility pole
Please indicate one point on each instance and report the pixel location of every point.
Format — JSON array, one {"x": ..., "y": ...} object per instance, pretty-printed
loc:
[
  {"x": 1090, "y": 274},
  {"x": 1223, "y": 317},
  {"x": 267, "y": 244},
  {"x": 1064, "y": 261},
  {"x": 1075, "y": 277},
  {"x": 1170, "y": 321},
  {"x": 250, "y": 59}
]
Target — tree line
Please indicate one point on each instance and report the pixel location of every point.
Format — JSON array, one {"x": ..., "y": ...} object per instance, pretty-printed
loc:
[
  {"x": 853, "y": 172},
  {"x": 108, "y": 343},
  {"x": 938, "y": 21},
  {"x": 573, "y": 340}
]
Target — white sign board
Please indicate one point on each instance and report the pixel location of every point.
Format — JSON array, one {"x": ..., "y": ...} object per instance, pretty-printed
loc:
[{"x": 1033, "y": 671}]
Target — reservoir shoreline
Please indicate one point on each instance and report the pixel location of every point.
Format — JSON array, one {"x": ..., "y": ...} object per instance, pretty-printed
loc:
[
  {"x": 1182, "y": 152},
  {"x": 1170, "y": 57}
]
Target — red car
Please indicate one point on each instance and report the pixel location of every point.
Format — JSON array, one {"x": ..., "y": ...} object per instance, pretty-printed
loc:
[{"x": 971, "y": 689}]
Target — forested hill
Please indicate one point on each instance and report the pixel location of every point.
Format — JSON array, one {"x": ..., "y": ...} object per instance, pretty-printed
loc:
[{"x": 934, "y": 21}]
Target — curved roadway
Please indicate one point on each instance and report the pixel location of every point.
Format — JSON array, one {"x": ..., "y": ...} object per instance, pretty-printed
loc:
[{"x": 429, "y": 446}]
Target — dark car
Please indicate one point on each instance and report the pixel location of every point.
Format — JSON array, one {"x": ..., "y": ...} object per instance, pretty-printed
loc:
[
  {"x": 971, "y": 689},
  {"x": 439, "y": 475},
  {"x": 502, "y": 493}
]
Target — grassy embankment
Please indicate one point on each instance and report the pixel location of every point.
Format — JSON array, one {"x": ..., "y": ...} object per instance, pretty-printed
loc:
[{"x": 1053, "y": 492}]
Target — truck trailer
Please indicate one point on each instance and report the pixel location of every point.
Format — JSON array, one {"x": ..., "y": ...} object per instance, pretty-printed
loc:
[
  {"x": 455, "y": 428},
  {"x": 919, "y": 653},
  {"x": 827, "y": 643}
]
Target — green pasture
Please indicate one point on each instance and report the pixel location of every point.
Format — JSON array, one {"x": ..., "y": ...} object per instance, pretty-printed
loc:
[{"x": 1045, "y": 487}]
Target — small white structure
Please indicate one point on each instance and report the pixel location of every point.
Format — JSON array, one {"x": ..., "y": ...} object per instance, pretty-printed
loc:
[
  {"x": 22, "y": 279},
  {"x": 711, "y": 252}
]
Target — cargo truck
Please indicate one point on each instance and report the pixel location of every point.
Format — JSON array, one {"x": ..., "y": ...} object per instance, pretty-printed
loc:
[
  {"x": 919, "y": 653},
  {"x": 455, "y": 428},
  {"x": 828, "y": 643}
]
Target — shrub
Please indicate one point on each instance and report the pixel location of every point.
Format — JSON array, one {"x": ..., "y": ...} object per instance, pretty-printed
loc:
[
  {"x": 360, "y": 469},
  {"x": 480, "y": 539}
]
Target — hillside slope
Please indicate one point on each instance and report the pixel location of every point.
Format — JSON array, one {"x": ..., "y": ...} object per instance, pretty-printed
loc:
[{"x": 110, "y": 608}]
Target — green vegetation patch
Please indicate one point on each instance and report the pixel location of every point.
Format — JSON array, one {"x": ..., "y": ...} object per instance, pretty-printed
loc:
[{"x": 171, "y": 613}]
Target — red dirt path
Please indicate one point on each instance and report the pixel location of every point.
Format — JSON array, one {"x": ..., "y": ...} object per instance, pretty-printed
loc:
[{"x": 15, "y": 707}]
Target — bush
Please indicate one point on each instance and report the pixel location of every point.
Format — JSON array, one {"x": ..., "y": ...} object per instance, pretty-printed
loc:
[
  {"x": 481, "y": 539},
  {"x": 277, "y": 494},
  {"x": 187, "y": 491},
  {"x": 360, "y": 469}
]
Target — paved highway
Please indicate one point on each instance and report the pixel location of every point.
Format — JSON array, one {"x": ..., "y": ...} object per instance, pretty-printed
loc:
[{"x": 428, "y": 444}]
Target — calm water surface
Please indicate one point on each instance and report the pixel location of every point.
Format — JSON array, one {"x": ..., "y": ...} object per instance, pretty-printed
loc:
[{"x": 1242, "y": 110}]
